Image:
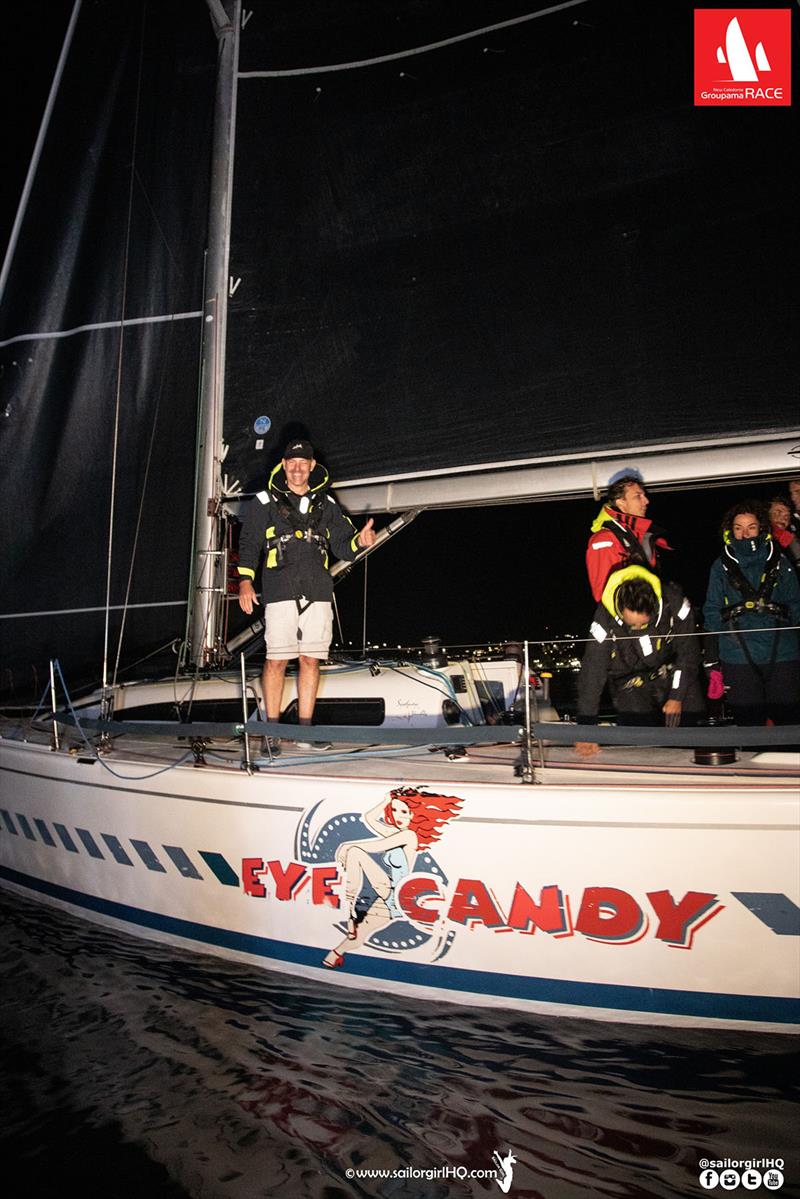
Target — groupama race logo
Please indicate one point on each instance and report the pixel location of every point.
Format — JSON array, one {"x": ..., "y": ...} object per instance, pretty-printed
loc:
[{"x": 742, "y": 57}]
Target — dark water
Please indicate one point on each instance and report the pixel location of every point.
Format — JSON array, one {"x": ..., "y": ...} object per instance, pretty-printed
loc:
[{"x": 132, "y": 1070}]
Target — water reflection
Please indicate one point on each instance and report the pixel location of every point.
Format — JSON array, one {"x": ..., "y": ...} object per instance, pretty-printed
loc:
[{"x": 131, "y": 1069}]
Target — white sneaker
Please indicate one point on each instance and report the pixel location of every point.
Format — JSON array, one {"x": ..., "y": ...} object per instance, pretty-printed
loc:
[{"x": 317, "y": 747}]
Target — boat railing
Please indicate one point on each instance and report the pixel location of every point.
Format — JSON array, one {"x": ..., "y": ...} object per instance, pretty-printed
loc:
[{"x": 199, "y": 733}]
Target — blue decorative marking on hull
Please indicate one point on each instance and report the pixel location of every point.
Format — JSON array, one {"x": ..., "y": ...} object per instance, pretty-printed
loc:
[
  {"x": 116, "y": 850},
  {"x": 8, "y": 822},
  {"x": 220, "y": 868},
  {"x": 90, "y": 845},
  {"x": 182, "y": 861},
  {"x": 147, "y": 855},
  {"x": 658, "y": 1001},
  {"x": 26, "y": 828},
  {"x": 65, "y": 838},
  {"x": 44, "y": 833},
  {"x": 777, "y": 911}
]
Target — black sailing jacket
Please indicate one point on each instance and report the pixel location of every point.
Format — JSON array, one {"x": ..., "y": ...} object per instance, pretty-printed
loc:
[
  {"x": 297, "y": 535},
  {"x": 657, "y": 657}
]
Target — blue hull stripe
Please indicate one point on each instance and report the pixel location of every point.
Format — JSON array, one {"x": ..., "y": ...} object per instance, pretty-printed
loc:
[{"x": 764, "y": 1009}]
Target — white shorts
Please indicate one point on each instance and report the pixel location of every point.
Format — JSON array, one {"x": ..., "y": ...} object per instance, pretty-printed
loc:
[{"x": 289, "y": 633}]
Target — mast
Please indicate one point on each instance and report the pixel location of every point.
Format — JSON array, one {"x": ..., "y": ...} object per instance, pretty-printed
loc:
[{"x": 208, "y": 574}]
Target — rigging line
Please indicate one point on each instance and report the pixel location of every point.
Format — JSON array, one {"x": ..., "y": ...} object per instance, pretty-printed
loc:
[
  {"x": 154, "y": 215},
  {"x": 99, "y": 608},
  {"x": 166, "y": 359},
  {"x": 478, "y": 668},
  {"x": 549, "y": 641},
  {"x": 98, "y": 758},
  {"x": 450, "y": 41},
  {"x": 37, "y": 149},
  {"x": 99, "y": 325},
  {"x": 140, "y": 514},
  {"x": 123, "y": 302},
  {"x": 88, "y": 688},
  {"x": 338, "y": 618}
]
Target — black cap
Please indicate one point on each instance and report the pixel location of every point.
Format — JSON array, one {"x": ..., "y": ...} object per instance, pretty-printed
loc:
[{"x": 299, "y": 449}]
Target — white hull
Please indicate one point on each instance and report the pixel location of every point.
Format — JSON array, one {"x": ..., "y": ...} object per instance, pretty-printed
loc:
[{"x": 166, "y": 857}]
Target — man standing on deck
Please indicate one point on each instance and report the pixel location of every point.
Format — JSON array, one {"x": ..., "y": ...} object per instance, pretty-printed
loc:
[
  {"x": 641, "y": 646},
  {"x": 622, "y": 535},
  {"x": 296, "y": 522}
]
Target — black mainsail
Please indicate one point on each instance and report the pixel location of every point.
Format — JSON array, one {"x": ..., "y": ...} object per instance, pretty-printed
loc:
[
  {"x": 99, "y": 346},
  {"x": 469, "y": 248},
  {"x": 457, "y": 251}
]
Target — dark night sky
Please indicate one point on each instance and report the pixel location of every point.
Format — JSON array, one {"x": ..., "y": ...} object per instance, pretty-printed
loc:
[{"x": 470, "y": 576}]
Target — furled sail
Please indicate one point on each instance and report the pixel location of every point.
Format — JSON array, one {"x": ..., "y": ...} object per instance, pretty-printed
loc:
[
  {"x": 99, "y": 345},
  {"x": 456, "y": 257}
]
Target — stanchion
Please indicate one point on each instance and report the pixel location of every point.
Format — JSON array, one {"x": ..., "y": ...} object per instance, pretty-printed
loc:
[
  {"x": 527, "y": 775},
  {"x": 246, "y": 761},
  {"x": 55, "y": 739}
]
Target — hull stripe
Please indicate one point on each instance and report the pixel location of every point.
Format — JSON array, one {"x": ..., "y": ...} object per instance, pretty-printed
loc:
[
  {"x": 711, "y": 1005},
  {"x": 777, "y": 911}
]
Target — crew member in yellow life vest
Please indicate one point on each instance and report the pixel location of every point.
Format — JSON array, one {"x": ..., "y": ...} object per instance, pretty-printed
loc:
[{"x": 640, "y": 647}]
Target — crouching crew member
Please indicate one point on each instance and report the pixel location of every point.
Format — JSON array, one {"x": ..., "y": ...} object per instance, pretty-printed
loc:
[
  {"x": 296, "y": 523},
  {"x": 622, "y": 535},
  {"x": 639, "y": 647}
]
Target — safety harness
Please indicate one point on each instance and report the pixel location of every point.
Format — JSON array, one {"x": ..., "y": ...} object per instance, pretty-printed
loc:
[
  {"x": 663, "y": 643},
  {"x": 754, "y": 599},
  {"x": 635, "y": 552},
  {"x": 307, "y": 524}
]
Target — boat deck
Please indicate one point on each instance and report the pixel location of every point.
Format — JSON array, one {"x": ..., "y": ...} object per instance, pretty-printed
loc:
[{"x": 643, "y": 765}]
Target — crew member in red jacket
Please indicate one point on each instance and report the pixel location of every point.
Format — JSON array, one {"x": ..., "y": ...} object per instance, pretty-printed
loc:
[{"x": 622, "y": 535}]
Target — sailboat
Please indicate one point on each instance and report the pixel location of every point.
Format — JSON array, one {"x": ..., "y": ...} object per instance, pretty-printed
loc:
[{"x": 392, "y": 277}]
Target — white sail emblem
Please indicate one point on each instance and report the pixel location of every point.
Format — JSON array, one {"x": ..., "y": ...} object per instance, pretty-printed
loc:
[{"x": 741, "y": 64}]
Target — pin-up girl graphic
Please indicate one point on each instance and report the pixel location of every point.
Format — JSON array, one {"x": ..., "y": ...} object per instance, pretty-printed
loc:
[{"x": 411, "y": 820}]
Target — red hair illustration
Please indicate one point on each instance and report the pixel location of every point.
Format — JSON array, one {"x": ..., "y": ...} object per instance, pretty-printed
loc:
[
  {"x": 429, "y": 812},
  {"x": 407, "y": 821}
]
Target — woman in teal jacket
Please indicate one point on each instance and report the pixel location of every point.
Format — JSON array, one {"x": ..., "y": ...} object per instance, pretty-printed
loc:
[{"x": 753, "y": 600}]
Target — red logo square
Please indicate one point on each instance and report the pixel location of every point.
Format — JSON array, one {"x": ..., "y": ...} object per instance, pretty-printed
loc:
[{"x": 743, "y": 57}]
